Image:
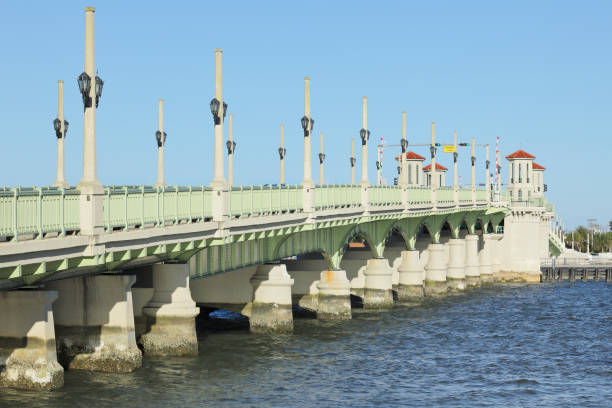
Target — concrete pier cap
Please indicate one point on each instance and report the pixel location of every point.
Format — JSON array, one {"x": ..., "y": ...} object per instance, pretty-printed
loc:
[{"x": 410, "y": 276}]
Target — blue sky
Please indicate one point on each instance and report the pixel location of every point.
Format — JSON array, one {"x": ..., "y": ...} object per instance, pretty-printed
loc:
[{"x": 535, "y": 73}]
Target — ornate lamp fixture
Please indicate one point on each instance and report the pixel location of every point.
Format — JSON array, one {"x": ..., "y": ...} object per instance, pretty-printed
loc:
[
  {"x": 282, "y": 152},
  {"x": 231, "y": 146},
  {"x": 57, "y": 126},
  {"x": 161, "y": 138}
]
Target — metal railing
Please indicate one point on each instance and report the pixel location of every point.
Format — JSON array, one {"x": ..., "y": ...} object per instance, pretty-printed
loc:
[
  {"x": 445, "y": 195},
  {"x": 385, "y": 195},
  {"x": 265, "y": 200},
  {"x": 465, "y": 195},
  {"x": 38, "y": 211},
  {"x": 337, "y": 196},
  {"x": 419, "y": 195},
  {"x": 142, "y": 206}
]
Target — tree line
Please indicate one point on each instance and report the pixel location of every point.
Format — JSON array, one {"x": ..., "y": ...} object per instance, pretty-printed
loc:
[{"x": 599, "y": 242}]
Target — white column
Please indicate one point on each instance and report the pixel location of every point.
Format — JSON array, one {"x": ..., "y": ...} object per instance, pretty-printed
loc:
[
  {"x": 473, "y": 171},
  {"x": 334, "y": 301},
  {"x": 455, "y": 174},
  {"x": 487, "y": 179},
  {"x": 282, "y": 153},
  {"x": 472, "y": 264},
  {"x": 365, "y": 194},
  {"x": 353, "y": 159},
  {"x": 403, "y": 162},
  {"x": 230, "y": 151},
  {"x": 60, "y": 180},
  {"x": 92, "y": 192},
  {"x": 378, "y": 169},
  {"x": 435, "y": 271},
  {"x": 170, "y": 313},
  {"x": 433, "y": 165},
  {"x": 90, "y": 176},
  {"x": 28, "y": 357},
  {"x": 307, "y": 181},
  {"x": 271, "y": 309},
  {"x": 456, "y": 264},
  {"x": 321, "y": 163},
  {"x": 160, "y": 144},
  {"x": 218, "y": 182}
]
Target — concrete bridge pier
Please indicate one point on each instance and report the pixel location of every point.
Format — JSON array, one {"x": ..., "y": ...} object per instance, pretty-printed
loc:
[
  {"x": 170, "y": 313},
  {"x": 455, "y": 276},
  {"x": 334, "y": 299},
  {"x": 410, "y": 276},
  {"x": 472, "y": 264},
  {"x": 496, "y": 254},
  {"x": 485, "y": 268},
  {"x": 435, "y": 271},
  {"x": 94, "y": 323},
  {"x": 271, "y": 309},
  {"x": 28, "y": 358},
  {"x": 378, "y": 292}
]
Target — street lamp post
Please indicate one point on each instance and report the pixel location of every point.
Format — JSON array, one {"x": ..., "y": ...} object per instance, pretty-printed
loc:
[
  {"x": 353, "y": 160},
  {"x": 473, "y": 158},
  {"x": 281, "y": 152},
  {"x": 231, "y": 148},
  {"x": 432, "y": 150},
  {"x": 307, "y": 125},
  {"x": 160, "y": 136},
  {"x": 403, "y": 175},
  {"x": 60, "y": 125},
  {"x": 90, "y": 86},
  {"x": 455, "y": 172},
  {"x": 364, "y": 133},
  {"x": 218, "y": 109},
  {"x": 321, "y": 163},
  {"x": 487, "y": 178}
]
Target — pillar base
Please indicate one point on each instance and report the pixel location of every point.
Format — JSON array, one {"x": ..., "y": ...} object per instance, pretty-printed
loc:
[
  {"x": 170, "y": 335},
  {"x": 455, "y": 284},
  {"x": 334, "y": 307},
  {"x": 271, "y": 309},
  {"x": 170, "y": 314},
  {"x": 271, "y": 318},
  {"x": 94, "y": 324},
  {"x": 410, "y": 292},
  {"x": 28, "y": 358},
  {"x": 334, "y": 301},
  {"x": 435, "y": 288},
  {"x": 97, "y": 349},
  {"x": 487, "y": 278},
  {"x": 24, "y": 369},
  {"x": 472, "y": 281},
  {"x": 378, "y": 292},
  {"x": 377, "y": 298}
]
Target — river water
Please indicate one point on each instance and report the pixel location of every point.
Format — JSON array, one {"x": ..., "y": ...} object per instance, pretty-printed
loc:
[{"x": 504, "y": 345}]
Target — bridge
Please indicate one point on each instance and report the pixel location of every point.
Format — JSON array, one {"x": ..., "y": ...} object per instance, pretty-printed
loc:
[{"x": 93, "y": 276}]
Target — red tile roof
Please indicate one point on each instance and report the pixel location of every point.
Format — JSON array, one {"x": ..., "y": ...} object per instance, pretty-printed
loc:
[
  {"x": 438, "y": 167},
  {"x": 410, "y": 155},
  {"x": 536, "y": 166},
  {"x": 520, "y": 154}
]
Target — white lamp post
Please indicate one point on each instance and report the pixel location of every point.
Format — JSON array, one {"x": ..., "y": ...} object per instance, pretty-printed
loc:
[
  {"x": 160, "y": 136},
  {"x": 282, "y": 152},
  {"x": 60, "y": 125}
]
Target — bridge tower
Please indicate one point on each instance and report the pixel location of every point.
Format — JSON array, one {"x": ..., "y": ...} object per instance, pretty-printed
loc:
[{"x": 520, "y": 175}]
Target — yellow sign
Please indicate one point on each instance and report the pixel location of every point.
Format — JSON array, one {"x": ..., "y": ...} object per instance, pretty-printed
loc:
[{"x": 449, "y": 148}]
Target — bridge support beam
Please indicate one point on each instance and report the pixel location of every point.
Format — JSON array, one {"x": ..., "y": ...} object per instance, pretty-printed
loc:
[
  {"x": 94, "y": 322},
  {"x": 496, "y": 254},
  {"x": 435, "y": 271},
  {"x": 334, "y": 301},
  {"x": 28, "y": 358},
  {"x": 410, "y": 276},
  {"x": 455, "y": 276},
  {"x": 485, "y": 268},
  {"x": 472, "y": 264},
  {"x": 170, "y": 313},
  {"x": 271, "y": 310}
]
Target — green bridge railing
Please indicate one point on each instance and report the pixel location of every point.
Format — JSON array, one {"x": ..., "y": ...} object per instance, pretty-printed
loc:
[{"x": 34, "y": 212}]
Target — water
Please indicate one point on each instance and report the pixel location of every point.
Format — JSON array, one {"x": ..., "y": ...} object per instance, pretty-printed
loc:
[{"x": 512, "y": 346}]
